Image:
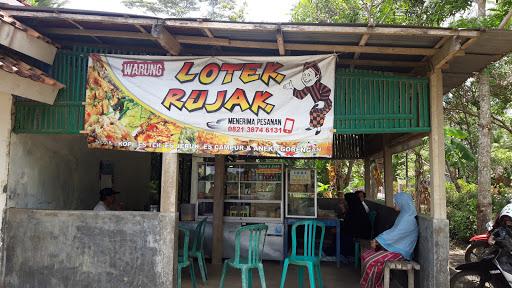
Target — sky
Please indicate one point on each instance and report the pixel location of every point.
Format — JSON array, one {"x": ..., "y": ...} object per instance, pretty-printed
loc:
[{"x": 257, "y": 10}]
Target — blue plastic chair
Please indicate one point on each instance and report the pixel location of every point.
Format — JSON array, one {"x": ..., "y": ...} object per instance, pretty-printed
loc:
[
  {"x": 197, "y": 251},
  {"x": 256, "y": 241},
  {"x": 311, "y": 253},
  {"x": 184, "y": 259},
  {"x": 357, "y": 253}
]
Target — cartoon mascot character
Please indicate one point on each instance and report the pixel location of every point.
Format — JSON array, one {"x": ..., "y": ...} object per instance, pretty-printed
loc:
[{"x": 320, "y": 93}]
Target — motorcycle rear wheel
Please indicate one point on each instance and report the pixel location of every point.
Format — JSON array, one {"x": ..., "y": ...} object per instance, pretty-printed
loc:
[
  {"x": 475, "y": 251},
  {"x": 470, "y": 279}
]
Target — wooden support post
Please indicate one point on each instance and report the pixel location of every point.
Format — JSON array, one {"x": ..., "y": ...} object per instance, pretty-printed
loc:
[
  {"x": 166, "y": 40},
  {"x": 170, "y": 171},
  {"x": 169, "y": 205},
  {"x": 218, "y": 210},
  {"x": 388, "y": 174},
  {"x": 280, "y": 42},
  {"x": 437, "y": 164},
  {"x": 446, "y": 52},
  {"x": 367, "y": 179},
  {"x": 362, "y": 42}
]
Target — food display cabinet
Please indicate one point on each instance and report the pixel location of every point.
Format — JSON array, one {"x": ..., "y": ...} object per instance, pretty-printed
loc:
[
  {"x": 301, "y": 193},
  {"x": 253, "y": 193}
]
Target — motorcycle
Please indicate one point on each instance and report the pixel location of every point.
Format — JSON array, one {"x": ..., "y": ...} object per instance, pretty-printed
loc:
[
  {"x": 478, "y": 246},
  {"x": 493, "y": 270}
]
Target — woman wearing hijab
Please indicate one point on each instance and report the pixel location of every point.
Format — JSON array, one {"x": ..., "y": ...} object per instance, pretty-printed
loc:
[{"x": 393, "y": 244}]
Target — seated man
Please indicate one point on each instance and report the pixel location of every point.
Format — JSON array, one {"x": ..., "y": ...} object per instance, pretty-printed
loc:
[{"x": 107, "y": 200}]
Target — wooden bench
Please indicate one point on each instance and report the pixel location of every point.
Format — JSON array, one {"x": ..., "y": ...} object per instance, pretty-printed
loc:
[{"x": 408, "y": 266}]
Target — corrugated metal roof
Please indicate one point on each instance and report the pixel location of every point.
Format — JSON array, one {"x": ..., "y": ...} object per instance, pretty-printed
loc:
[
  {"x": 492, "y": 42},
  {"x": 345, "y": 39},
  {"x": 403, "y": 41},
  {"x": 408, "y": 46}
]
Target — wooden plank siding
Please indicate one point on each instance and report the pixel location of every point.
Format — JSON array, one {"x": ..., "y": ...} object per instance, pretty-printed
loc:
[{"x": 373, "y": 103}]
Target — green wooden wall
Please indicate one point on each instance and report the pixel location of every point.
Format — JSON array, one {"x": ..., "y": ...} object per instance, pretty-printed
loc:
[
  {"x": 66, "y": 115},
  {"x": 365, "y": 102},
  {"x": 372, "y": 103}
]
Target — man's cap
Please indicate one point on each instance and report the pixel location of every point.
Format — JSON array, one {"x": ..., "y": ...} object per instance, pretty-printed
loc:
[{"x": 108, "y": 192}]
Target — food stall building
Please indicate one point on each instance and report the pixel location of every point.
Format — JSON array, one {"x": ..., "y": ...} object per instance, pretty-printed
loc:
[{"x": 388, "y": 89}]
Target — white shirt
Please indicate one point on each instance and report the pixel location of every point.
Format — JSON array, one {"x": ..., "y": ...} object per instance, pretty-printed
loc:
[
  {"x": 366, "y": 207},
  {"x": 100, "y": 207}
]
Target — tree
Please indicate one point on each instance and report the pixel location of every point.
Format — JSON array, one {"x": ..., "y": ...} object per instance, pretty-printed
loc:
[
  {"x": 417, "y": 12},
  {"x": 484, "y": 204},
  {"x": 172, "y": 8},
  {"x": 328, "y": 11},
  {"x": 48, "y": 3},
  {"x": 217, "y": 9},
  {"x": 340, "y": 174},
  {"x": 226, "y": 10}
]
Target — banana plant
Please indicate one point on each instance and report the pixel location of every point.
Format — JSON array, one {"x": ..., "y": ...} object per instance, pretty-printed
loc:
[{"x": 458, "y": 156}]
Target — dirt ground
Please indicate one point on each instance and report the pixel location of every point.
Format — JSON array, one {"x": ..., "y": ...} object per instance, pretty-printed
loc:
[
  {"x": 332, "y": 276},
  {"x": 456, "y": 257}
]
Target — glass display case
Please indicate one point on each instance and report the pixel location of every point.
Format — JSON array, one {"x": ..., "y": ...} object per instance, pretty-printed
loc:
[
  {"x": 253, "y": 192},
  {"x": 301, "y": 193}
]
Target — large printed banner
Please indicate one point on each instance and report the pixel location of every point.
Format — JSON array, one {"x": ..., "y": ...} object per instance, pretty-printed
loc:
[{"x": 261, "y": 106}]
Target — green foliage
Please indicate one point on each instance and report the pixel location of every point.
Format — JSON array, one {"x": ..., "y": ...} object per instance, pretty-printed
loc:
[
  {"x": 172, "y": 8},
  {"x": 493, "y": 20},
  {"x": 48, "y": 3},
  {"x": 321, "y": 171},
  {"x": 225, "y": 10},
  {"x": 328, "y": 11},
  {"x": 461, "y": 210},
  {"x": 499, "y": 201},
  {"x": 319, "y": 165},
  {"x": 322, "y": 189},
  {"x": 501, "y": 88},
  {"x": 217, "y": 9},
  {"x": 457, "y": 153},
  {"x": 357, "y": 179},
  {"x": 438, "y": 11},
  {"x": 238, "y": 13},
  {"x": 415, "y": 12},
  {"x": 501, "y": 169}
]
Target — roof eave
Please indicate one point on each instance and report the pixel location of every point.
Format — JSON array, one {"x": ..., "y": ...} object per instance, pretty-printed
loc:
[{"x": 23, "y": 39}]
